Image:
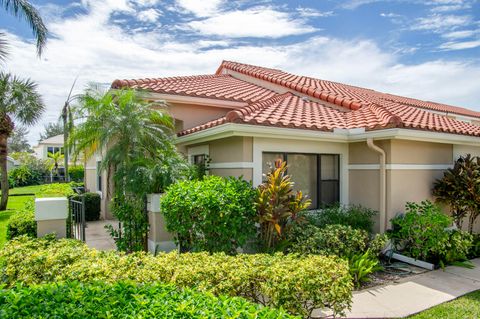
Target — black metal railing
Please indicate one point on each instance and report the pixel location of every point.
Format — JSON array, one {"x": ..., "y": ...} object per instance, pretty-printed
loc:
[{"x": 77, "y": 215}]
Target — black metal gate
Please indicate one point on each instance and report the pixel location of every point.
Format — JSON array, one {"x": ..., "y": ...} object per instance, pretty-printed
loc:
[{"x": 77, "y": 218}]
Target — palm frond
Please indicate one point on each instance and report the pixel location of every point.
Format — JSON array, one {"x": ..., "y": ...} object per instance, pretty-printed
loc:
[
  {"x": 24, "y": 9},
  {"x": 3, "y": 46}
]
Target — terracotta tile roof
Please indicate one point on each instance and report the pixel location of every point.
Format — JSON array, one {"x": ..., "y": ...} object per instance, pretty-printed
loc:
[
  {"x": 290, "y": 111},
  {"x": 345, "y": 106},
  {"x": 341, "y": 94},
  {"x": 223, "y": 87}
]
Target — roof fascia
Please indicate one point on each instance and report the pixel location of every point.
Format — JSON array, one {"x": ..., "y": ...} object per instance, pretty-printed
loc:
[{"x": 342, "y": 136}]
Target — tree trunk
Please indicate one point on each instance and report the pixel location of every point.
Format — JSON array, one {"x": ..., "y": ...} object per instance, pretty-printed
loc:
[{"x": 3, "y": 172}]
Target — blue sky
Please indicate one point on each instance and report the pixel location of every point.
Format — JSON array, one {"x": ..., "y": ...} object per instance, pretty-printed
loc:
[{"x": 425, "y": 49}]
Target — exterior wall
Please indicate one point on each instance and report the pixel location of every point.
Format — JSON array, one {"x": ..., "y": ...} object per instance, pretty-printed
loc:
[
  {"x": 193, "y": 115},
  {"x": 230, "y": 156},
  {"x": 364, "y": 176},
  {"x": 41, "y": 152},
  {"x": 412, "y": 167}
]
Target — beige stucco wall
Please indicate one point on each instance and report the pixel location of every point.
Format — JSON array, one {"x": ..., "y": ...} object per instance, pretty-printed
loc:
[
  {"x": 246, "y": 173},
  {"x": 413, "y": 152},
  {"x": 412, "y": 167},
  {"x": 231, "y": 149},
  {"x": 193, "y": 115}
]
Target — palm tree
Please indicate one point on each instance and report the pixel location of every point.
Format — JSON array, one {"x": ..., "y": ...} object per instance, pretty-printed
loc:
[
  {"x": 56, "y": 157},
  {"x": 125, "y": 130},
  {"x": 122, "y": 126},
  {"x": 23, "y": 9},
  {"x": 19, "y": 102}
]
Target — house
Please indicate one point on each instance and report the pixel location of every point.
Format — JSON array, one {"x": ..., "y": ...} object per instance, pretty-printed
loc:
[
  {"x": 52, "y": 144},
  {"x": 342, "y": 143},
  {"x": 11, "y": 163}
]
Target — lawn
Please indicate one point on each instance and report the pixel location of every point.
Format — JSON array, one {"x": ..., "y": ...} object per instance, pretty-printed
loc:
[
  {"x": 466, "y": 307},
  {"x": 14, "y": 203}
]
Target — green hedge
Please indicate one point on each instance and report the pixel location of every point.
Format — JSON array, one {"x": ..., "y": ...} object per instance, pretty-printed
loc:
[
  {"x": 22, "y": 223},
  {"x": 92, "y": 205},
  {"x": 357, "y": 217},
  {"x": 220, "y": 211},
  {"x": 339, "y": 240},
  {"x": 124, "y": 300},
  {"x": 297, "y": 284},
  {"x": 76, "y": 173}
]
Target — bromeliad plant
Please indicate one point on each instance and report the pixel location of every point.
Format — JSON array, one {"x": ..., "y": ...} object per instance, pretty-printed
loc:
[{"x": 278, "y": 205}]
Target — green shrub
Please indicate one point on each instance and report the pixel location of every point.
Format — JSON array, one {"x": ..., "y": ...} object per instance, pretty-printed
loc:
[
  {"x": 56, "y": 190},
  {"x": 297, "y": 284},
  {"x": 213, "y": 214},
  {"x": 361, "y": 266},
  {"x": 92, "y": 205},
  {"x": 31, "y": 170},
  {"x": 475, "y": 249},
  {"x": 337, "y": 240},
  {"x": 76, "y": 173},
  {"x": 22, "y": 223},
  {"x": 357, "y": 217},
  {"x": 378, "y": 243},
  {"x": 94, "y": 300},
  {"x": 421, "y": 233}
]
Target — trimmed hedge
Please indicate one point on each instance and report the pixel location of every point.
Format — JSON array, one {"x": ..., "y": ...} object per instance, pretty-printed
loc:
[
  {"x": 124, "y": 300},
  {"x": 339, "y": 240},
  {"x": 214, "y": 214},
  {"x": 297, "y": 284},
  {"x": 358, "y": 217},
  {"x": 76, "y": 173},
  {"x": 22, "y": 223},
  {"x": 92, "y": 205}
]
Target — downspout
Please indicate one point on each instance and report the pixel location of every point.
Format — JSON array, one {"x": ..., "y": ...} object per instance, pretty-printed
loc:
[{"x": 383, "y": 184}]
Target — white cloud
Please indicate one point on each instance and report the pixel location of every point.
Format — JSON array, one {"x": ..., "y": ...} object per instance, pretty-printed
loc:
[
  {"x": 201, "y": 8},
  {"x": 150, "y": 15},
  {"x": 460, "y": 45},
  {"x": 460, "y": 34},
  {"x": 440, "y": 23},
  {"x": 258, "y": 22},
  {"x": 97, "y": 50},
  {"x": 310, "y": 13},
  {"x": 354, "y": 4}
]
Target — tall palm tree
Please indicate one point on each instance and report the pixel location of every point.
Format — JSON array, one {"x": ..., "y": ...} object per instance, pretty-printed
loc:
[
  {"x": 23, "y": 9},
  {"x": 19, "y": 102}
]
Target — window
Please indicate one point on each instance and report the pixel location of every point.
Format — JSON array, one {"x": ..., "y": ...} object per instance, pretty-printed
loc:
[
  {"x": 99, "y": 176},
  {"x": 198, "y": 159},
  {"x": 315, "y": 175},
  {"x": 54, "y": 149}
]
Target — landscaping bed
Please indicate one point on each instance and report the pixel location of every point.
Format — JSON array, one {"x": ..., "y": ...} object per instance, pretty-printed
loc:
[{"x": 125, "y": 300}]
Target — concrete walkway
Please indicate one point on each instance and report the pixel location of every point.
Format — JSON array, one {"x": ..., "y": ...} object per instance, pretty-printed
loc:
[
  {"x": 414, "y": 294},
  {"x": 98, "y": 237}
]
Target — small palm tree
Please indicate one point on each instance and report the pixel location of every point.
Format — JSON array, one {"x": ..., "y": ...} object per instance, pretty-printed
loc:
[
  {"x": 19, "y": 102},
  {"x": 23, "y": 9},
  {"x": 56, "y": 157},
  {"x": 122, "y": 125}
]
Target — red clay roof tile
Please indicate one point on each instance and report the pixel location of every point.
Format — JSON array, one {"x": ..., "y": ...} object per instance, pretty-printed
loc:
[{"x": 356, "y": 107}]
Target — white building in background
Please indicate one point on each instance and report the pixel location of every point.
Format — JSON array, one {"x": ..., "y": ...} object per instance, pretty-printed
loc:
[
  {"x": 11, "y": 163},
  {"x": 50, "y": 145}
]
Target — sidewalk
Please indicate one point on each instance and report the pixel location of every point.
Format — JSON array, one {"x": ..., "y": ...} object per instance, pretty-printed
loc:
[
  {"x": 97, "y": 237},
  {"x": 414, "y": 294}
]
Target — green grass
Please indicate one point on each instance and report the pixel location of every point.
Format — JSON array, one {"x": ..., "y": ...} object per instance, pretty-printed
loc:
[
  {"x": 4, "y": 217},
  {"x": 466, "y": 307},
  {"x": 14, "y": 203},
  {"x": 25, "y": 190}
]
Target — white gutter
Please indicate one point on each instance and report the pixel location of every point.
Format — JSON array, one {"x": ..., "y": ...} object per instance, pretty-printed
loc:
[{"x": 383, "y": 184}]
